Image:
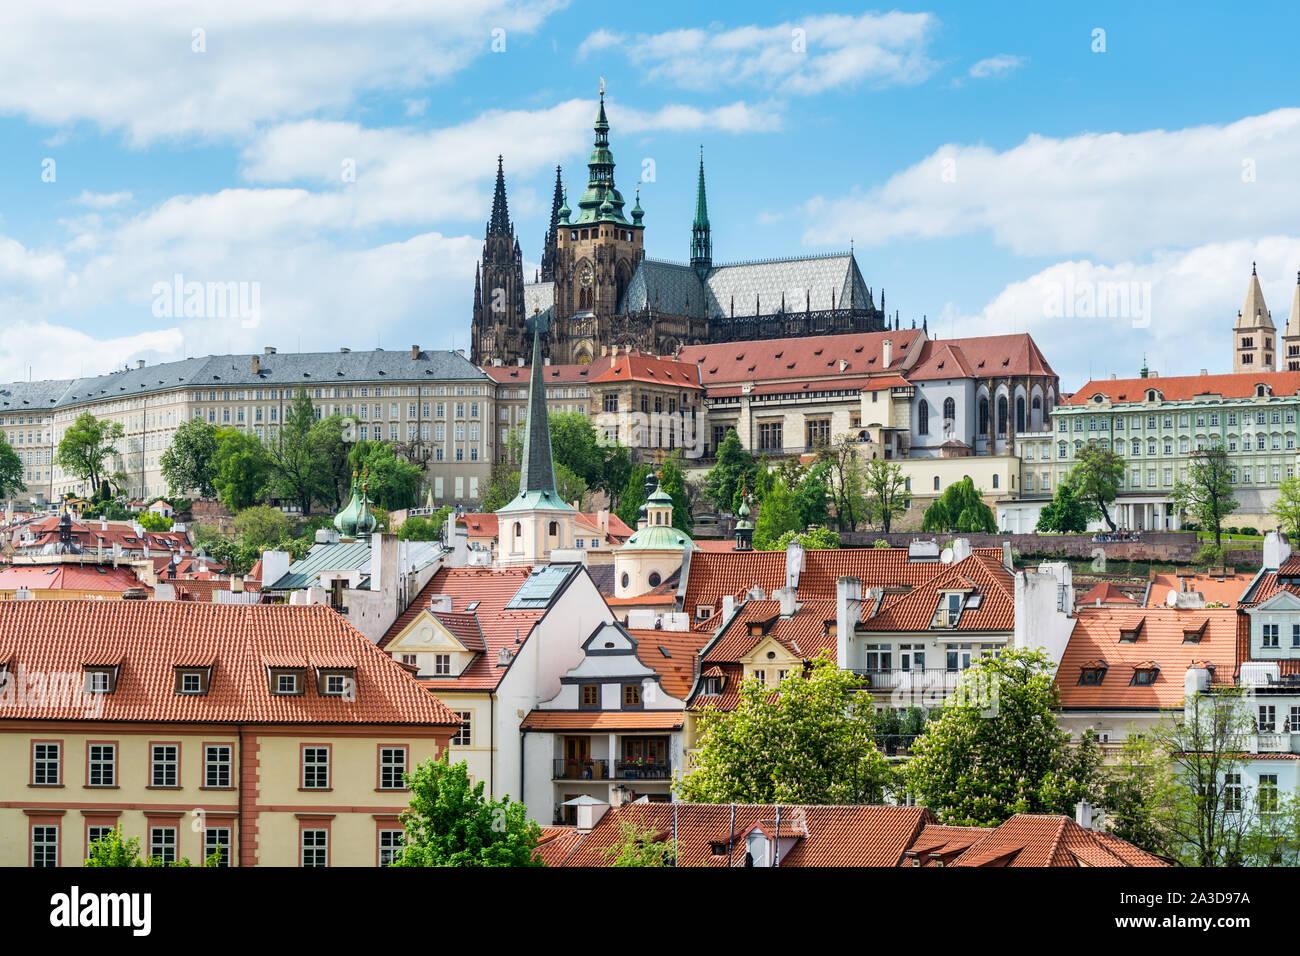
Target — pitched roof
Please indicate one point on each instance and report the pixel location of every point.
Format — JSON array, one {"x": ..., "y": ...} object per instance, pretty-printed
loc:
[
  {"x": 980, "y": 356},
  {"x": 803, "y": 634},
  {"x": 671, "y": 655},
  {"x": 980, "y": 573},
  {"x": 639, "y": 367},
  {"x": 551, "y": 374},
  {"x": 811, "y": 358},
  {"x": 1225, "y": 589},
  {"x": 1185, "y": 387},
  {"x": 1039, "y": 841},
  {"x": 1106, "y": 593},
  {"x": 68, "y": 577},
  {"x": 147, "y": 638},
  {"x": 1161, "y": 639}
]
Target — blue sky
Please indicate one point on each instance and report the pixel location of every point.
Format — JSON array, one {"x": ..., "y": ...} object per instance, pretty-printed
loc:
[{"x": 985, "y": 161}]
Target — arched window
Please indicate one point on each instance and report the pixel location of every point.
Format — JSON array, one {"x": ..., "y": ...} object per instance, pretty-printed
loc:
[
  {"x": 936, "y": 482},
  {"x": 949, "y": 410},
  {"x": 1020, "y": 413},
  {"x": 923, "y": 418},
  {"x": 995, "y": 481},
  {"x": 553, "y": 529},
  {"x": 984, "y": 416},
  {"x": 1002, "y": 415}
]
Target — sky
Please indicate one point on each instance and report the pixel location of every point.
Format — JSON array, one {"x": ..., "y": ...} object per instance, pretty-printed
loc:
[{"x": 1099, "y": 175}]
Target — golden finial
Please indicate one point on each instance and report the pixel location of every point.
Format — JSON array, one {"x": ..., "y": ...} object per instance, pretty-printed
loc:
[{"x": 602, "y": 86}]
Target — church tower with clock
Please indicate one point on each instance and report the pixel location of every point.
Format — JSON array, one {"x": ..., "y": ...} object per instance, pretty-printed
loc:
[{"x": 598, "y": 249}]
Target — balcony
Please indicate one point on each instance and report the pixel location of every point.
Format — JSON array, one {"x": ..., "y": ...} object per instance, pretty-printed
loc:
[
  {"x": 1269, "y": 743},
  {"x": 642, "y": 770},
  {"x": 896, "y": 678},
  {"x": 581, "y": 769}
]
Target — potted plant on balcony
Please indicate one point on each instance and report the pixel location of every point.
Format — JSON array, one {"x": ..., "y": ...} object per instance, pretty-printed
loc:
[{"x": 632, "y": 767}]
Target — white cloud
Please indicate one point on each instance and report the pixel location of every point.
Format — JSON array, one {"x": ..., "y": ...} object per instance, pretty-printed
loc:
[
  {"x": 133, "y": 65},
  {"x": 1179, "y": 314},
  {"x": 1111, "y": 195},
  {"x": 997, "y": 65},
  {"x": 798, "y": 57},
  {"x": 103, "y": 200}
]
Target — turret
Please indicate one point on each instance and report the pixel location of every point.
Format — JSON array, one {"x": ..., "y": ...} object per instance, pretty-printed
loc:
[
  {"x": 701, "y": 242},
  {"x": 1291, "y": 335},
  {"x": 1253, "y": 332}
]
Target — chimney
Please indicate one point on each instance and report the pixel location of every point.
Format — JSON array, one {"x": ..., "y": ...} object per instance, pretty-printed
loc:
[
  {"x": 415, "y": 351},
  {"x": 139, "y": 363},
  {"x": 237, "y": 584},
  {"x": 545, "y": 361},
  {"x": 257, "y": 364},
  {"x": 440, "y": 603},
  {"x": 1083, "y": 814},
  {"x": 1204, "y": 372},
  {"x": 268, "y": 350},
  {"x": 848, "y": 611},
  {"x": 496, "y": 362},
  {"x": 728, "y": 607},
  {"x": 602, "y": 521},
  {"x": 844, "y": 363},
  {"x": 589, "y": 814},
  {"x": 1006, "y": 554},
  {"x": 793, "y": 563},
  {"x": 275, "y": 565},
  {"x": 960, "y": 549},
  {"x": 886, "y": 352},
  {"x": 519, "y": 361},
  {"x": 1276, "y": 551},
  {"x": 787, "y": 598}
]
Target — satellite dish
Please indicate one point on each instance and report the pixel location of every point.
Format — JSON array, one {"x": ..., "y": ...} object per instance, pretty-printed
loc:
[
  {"x": 946, "y": 556},
  {"x": 1171, "y": 599}
]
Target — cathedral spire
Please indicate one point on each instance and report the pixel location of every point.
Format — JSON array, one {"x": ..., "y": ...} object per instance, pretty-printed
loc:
[
  {"x": 601, "y": 202},
  {"x": 537, "y": 468},
  {"x": 549, "y": 246},
  {"x": 701, "y": 242},
  {"x": 499, "y": 224}
]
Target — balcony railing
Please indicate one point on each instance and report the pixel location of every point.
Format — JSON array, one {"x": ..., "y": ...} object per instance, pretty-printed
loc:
[
  {"x": 1269, "y": 743},
  {"x": 581, "y": 769},
  {"x": 640, "y": 770},
  {"x": 896, "y": 678}
]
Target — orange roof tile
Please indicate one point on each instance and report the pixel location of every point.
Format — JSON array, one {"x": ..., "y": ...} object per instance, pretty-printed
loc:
[
  {"x": 554, "y": 374},
  {"x": 1183, "y": 387},
  {"x": 68, "y": 577},
  {"x": 611, "y": 720},
  {"x": 914, "y": 611},
  {"x": 1161, "y": 640},
  {"x": 800, "y": 359},
  {"x": 1039, "y": 841},
  {"x": 1106, "y": 593},
  {"x": 1222, "y": 590},
  {"x": 147, "y": 637},
  {"x": 980, "y": 356},
  {"x": 640, "y": 367},
  {"x": 676, "y": 670}
]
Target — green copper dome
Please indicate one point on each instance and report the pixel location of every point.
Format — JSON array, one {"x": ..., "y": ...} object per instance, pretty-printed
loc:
[
  {"x": 345, "y": 522},
  {"x": 637, "y": 212},
  {"x": 601, "y": 202},
  {"x": 564, "y": 209}
]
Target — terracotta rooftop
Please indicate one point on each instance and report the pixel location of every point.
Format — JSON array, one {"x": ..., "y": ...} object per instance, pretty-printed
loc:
[
  {"x": 981, "y": 356},
  {"x": 1185, "y": 387},
  {"x": 552, "y": 374},
  {"x": 640, "y": 367},
  {"x": 978, "y": 574},
  {"x": 1106, "y": 593},
  {"x": 670, "y": 654},
  {"x": 146, "y": 639},
  {"x": 67, "y": 577},
  {"x": 1164, "y": 637},
  {"x": 1041, "y": 841},
  {"x": 800, "y": 359}
]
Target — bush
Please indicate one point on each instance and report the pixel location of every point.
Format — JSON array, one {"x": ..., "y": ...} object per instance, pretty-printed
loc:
[
  {"x": 1210, "y": 555},
  {"x": 1250, "y": 531},
  {"x": 880, "y": 543}
]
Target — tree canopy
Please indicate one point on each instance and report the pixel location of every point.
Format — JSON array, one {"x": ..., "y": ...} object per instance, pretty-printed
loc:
[
  {"x": 85, "y": 447},
  {"x": 451, "y": 823},
  {"x": 1206, "y": 494},
  {"x": 812, "y": 741},
  {"x": 734, "y": 470},
  {"x": 189, "y": 463},
  {"x": 1095, "y": 477},
  {"x": 242, "y": 469},
  {"x": 1287, "y": 508},
  {"x": 11, "y": 470},
  {"x": 1065, "y": 513},
  {"x": 960, "y": 508},
  {"x": 995, "y": 750},
  {"x": 886, "y": 493},
  {"x": 393, "y": 483}
]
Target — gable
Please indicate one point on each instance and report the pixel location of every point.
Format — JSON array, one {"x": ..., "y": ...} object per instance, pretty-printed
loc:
[
  {"x": 768, "y": 645},
  {"x": 426, "y": 633},
  {"x": 1282, "y": 601}
]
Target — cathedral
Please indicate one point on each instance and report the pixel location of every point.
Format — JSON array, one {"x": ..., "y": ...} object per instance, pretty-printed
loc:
[{"x": 596, "y": 289}]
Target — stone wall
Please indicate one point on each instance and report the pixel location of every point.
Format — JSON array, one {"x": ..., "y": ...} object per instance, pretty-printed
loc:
[{"x": 1166, "y": 546}]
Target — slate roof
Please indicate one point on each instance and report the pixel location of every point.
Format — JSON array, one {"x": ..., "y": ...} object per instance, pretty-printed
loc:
[
  {"x": 148, "y": 638},
  {"x": 344, "y": 556},
  {"x": 308, "y": 369}
]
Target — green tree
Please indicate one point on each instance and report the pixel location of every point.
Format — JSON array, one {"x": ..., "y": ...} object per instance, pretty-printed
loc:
[
  {"x": 503, "y": 478},
  {"x": 641, "y": 847},
  {"x": 295, "y": 470},
  {"x": 11, "y": 470},
  {"x": 777, "y": 515},
  {"x": 735, "y": 469},
  {"x": 420, "y": 528},
  {"x": 673, "y": 481},
  {"x": 575, "y": 444},
  {"x": 242, "y": 469},
  {"x": 1287, "y": 508},
  {"x": 632, "y": 497},
  {"x": 189, "y": 462},
  {"x": 819, "y": 538},
  {"x": 329, "y": 451},
  {"x": 110, "y": 850},
  {"x": 614, "y": 473},
  {"x": 393, "y": 482},
  {"x": 1207, "y": 495},
  {"x": 1096, "y": 476},
  {"x": 960, "y": 508},
  {"x": 1065, "y": 513},
  {"x": 450, "y": 823},
  {"x": 154, "y": 521},
  {"x": 848, "y": 482},
  {"x": 262, "y": 526},
  {"x": 85, "y": 448},
  {"x": 887, "y": 495},
  {"x": 996, "y": 749},
  {"x": 811, "y": 742}
]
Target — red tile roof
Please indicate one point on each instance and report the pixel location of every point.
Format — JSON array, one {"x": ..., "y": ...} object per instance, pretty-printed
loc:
[
  {"x": 611, "y": 720},
  {"x": 803, "y": 634},
  {"x": 1223, "y": 590},
  {"x": 463, "y": 626},
  {"x": 148, "y": 638},
  {"x": 556, "y": 843},
  {"x": 1106, "y": 593},
  {"x": 677, "y": 670},
  {"x": 799, "y": 359},
  {"x": 1039, "y": 841},
  {"x": 204, "y": 590},
  {"x": 1160, "y": 639},
  {"x": 981, "y": 356},
  {"x": 914, "y": 611},
  {"x": 492, "y": 589},
  {"x": 553, "y": 374},
  {"x": 639, "y": 367},
  {"x": 1183, "y": 387},
  {"x": 68, "y": 577}
]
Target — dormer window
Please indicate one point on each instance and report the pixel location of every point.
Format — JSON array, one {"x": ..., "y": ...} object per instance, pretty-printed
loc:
[
  {"x": 286, "y": 681},
  {"x": 99, "y": 680},
  {"x": 286, "y": 684},
  {"x": 1129, "y": 635},
  {"x": 1092, "y": 675},
  {"x": 191, "y": 680},
  {"x": 703, "y": 612},
  {"x": 948, "y": 613},
  {"x": 336, "y": 682},
  {"x": 1193, "y": 635},
  {"x": 1144, "y": 675}
]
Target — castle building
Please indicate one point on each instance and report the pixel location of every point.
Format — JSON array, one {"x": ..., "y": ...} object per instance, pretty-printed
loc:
[{"x": 602, "y": 292}]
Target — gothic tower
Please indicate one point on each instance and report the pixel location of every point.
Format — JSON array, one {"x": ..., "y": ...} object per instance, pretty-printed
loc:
[
  {"x": 498, "y": 324},
  {"x": 701, "y": 243},
  {"x": 1253, "y": 332},
  {"x": 548, "y": 246},
  {"x": 1290, "y": 362},
  {"x": 597, "y": 252}
]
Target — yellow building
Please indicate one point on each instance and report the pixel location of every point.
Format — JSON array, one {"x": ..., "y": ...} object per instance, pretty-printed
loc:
[{"x": 272, "y": 735}]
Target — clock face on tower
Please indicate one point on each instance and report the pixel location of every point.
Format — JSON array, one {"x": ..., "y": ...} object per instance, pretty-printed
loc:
[{"x": 584, "y": 276}]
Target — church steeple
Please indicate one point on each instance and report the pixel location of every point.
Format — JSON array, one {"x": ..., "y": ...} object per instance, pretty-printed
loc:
[
  {"x": 548, "y": 247},
  {"x": 701, "y": 242},
  {"x": 601, "y": 202},
  {"x": 499, "y": 224},
  {"x": 537, "y": 469},
  {"x": 1252, "y": 334},
  {"x": 1291, "y": 334}
]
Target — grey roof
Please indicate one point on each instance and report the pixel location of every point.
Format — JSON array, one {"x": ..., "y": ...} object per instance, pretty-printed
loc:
[
  {"x": 278, "y": 369},
  {"x": 344, "y": 556},
  {"x": 27, "y": 396},
  {"x": 755, "y": 287}
]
